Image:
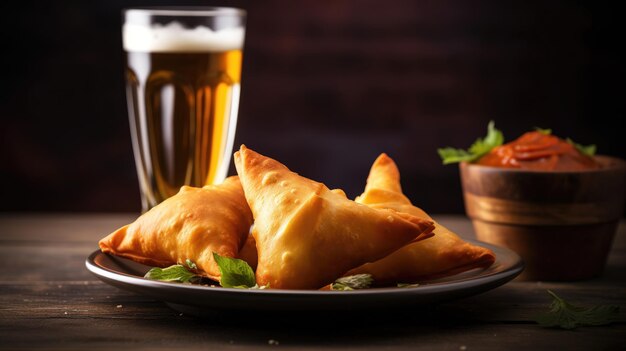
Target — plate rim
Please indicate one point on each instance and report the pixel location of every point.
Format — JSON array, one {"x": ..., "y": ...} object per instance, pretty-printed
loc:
[{"x": 503, "y": 276}]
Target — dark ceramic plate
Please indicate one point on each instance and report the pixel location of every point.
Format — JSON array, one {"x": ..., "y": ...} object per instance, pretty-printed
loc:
[{"x": 200, "y": 299}]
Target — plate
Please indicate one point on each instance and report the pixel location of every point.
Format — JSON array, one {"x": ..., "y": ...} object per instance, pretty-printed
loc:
[{"x": 200, "y": 299}]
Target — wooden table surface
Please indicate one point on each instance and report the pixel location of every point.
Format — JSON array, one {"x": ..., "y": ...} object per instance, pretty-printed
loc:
[{"x": 48, "y": 300}]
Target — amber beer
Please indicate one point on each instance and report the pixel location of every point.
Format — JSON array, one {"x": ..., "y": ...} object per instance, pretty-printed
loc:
[{"x": 183, "y": 93}]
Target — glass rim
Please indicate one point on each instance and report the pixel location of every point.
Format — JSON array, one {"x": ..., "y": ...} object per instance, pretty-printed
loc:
[{"x": 184, "y": 11}]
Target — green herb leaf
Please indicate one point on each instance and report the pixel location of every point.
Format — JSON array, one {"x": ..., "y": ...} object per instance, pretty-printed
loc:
[
  {"x": 190, "y": 264},
  {"x": 235, "y": 273},
  {"x": 588, "y": 150},
  {"x": 479, "y": 148},
  {"x": 494, "y": 138},
  {"x": 567, "y": 316},
  {"x": 352, "y": 282},
  {"x": 175, "y": 273},
  {"x": 405, "y": 285},
  {"x": 544, "y": 131},
  {"x": 451, "y": 155}
]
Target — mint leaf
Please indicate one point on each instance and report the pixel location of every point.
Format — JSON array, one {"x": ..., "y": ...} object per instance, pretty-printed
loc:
[
  {"x": 544, "y": 131},
  {"x": 588, "y": 150},
  {"x": 175, "y": 273},
  {"x": 494, "y": 138},
  {"x": 190, "y": 264},
  {"x": 352, "y": 282},
  {"x": 479, "y": 148},
  {"x": 235, "y": 273},
  {"x": 567, "y": 316},
  {"x": 451, "y": 155}
]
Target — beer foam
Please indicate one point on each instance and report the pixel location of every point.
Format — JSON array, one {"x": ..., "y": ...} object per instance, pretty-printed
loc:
[{"x": 173, "y": 37}]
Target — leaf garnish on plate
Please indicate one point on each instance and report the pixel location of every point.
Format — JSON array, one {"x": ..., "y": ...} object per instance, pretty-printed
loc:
[
  {"x": 175, "y": 273},
  {"x": 236, "y": 273},
  {"x": 352, "y": 282},
  {"x": 544, "y": 131},
  {"x": 190, "y": 264},
  {"x": 564, "y": 315},
  {"x": 479, "y": 148},
  {"x": 588, "y": 150}
]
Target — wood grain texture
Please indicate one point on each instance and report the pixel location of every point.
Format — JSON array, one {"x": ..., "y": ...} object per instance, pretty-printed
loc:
[
  {"x": 50, "y": 301},
  {"x": 525, "y": 197},
  {"x": 561, "y": 223}
]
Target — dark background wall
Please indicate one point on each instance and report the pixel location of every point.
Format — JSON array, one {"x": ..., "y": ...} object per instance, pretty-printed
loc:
[{"x": 327, "y": 86}]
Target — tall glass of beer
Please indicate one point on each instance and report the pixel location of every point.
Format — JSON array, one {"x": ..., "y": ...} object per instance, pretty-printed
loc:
[{"x": 183, "y": 71}]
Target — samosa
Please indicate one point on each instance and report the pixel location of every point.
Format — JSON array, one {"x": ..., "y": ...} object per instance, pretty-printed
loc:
[
  {"x": 192, "y": 225},
  {"x": 442, "y": 255},
  {"x": 307, "y": 235}
]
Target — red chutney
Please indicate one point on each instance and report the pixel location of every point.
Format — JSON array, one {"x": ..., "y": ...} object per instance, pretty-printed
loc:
[{"x": 540, "y": 152}]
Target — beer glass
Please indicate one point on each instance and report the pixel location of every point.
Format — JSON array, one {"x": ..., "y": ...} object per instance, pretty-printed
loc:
[{"x": 183, "y": 71}]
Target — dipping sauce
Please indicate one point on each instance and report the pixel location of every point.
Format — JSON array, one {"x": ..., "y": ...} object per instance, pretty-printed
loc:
[{"x": 541, "y": 152}]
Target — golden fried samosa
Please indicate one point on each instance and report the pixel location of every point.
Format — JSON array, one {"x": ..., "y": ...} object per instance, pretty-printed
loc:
[
  {"x": 442, "y": 255},
  {"x": 307, "y": 235},
  {"x": 192, "y": 225}
]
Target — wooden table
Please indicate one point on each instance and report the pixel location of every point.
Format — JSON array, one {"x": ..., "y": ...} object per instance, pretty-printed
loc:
[{"x": 50, "y": 301}]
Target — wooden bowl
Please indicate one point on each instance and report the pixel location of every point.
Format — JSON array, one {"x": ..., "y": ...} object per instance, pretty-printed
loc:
[{"x": 561, "y": 223}]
